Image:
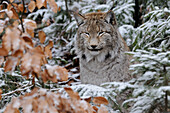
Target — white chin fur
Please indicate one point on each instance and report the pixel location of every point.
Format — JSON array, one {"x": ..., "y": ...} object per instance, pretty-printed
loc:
[{"x": 94, "y": 53}]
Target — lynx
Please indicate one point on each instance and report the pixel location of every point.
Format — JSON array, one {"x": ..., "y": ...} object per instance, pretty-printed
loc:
[{"x": 101, "y": 49}]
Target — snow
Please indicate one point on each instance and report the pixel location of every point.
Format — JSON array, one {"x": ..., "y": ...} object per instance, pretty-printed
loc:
[
  {"x": 16, "y": 103},
  {"x": 57, "y": 75},
  {"x": 164, "y": 88},
  {"x": 71, "y": 25},
  {"x": 73, "y": 70},
  {"x": 2, "y": 83}
]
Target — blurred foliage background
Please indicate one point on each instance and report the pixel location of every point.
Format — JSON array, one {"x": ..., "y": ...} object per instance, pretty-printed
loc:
[{"x": 145, "y": 26}]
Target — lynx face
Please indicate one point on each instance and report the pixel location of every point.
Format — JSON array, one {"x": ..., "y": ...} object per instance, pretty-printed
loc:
[{"x": 97, "y": 34}]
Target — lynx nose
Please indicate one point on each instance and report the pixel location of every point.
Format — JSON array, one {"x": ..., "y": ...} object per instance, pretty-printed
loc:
[{"x": 93, "y": 46}]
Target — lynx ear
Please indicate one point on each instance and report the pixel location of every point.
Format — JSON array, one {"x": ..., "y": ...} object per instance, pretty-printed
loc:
[
  {"x": 110, "y": 17},
  {"x": 79, "y": 18}
]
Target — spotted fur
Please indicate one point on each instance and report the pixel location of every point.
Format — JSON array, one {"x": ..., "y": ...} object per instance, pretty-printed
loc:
[{"x": 101, "y": 49}]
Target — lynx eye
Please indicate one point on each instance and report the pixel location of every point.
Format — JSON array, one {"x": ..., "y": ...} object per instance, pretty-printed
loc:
[
  {"x": 87, "y": 33},
  {"x": 100, "y": 33}
]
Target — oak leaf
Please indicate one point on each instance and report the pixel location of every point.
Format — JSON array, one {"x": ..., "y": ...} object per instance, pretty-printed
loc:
[
  {"x": 26, "y": 64},
  {"x": 47, "y": 49},
  {"x": 32, "y": 61},
  {"x": 11, "y": 63},
  {"x": 10, "y": 14},
  {"x": 40, "y": 3},
  {"x": 0, "y": 93},
  {"x": 1, "y": 60},
  {"x": 11, "y": 1},
  {"x": 41, "y": 36},
  {"x": 2, "y": 24},
  {"x": 102, "y": 109},
  {"x": 27, "y": 39},
  {"x": 100, "y": 100},
  {"x": 20, "y": 7},
  {"x": 31, "y": 6},
  {"x": 11, "y": 40},
  {"x": 72, "y": 94},
  {"x": 2, "y": 14},
  {"x": 57, "y": 72},
  {"x": 3, "y": 52},
  {"x": 15, "y": 15},
  {"x": 30, "y": 25},
  {"x": 53, "y": 5}
]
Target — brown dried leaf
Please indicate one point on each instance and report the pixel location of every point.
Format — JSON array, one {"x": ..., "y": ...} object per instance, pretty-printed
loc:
[
  {"x": 0, "y": 91},
  {"x": 31, "y": 6},
  {"x": 45, "y": 4},
  {"x": 2, "y": 24},
  {"x": 2, "y": 14},
  {"x": 35, "y": 104},
  {"x": 43, "y": 101},
  {"x": 44, "y": 75},
  {"x": 72, "y": 94},
  {"x": 11, "y": 1},
  {"x": 3, "y": 52},
  {"x": 15, "y": 15},
  {"x": 36, "y": 63},
  {"x": 9, "y": 109},
  {"x": 100, "y": 100},
  {"x": 9, "y": 7},
  {"x": 10, "y": 14},
  {"x": 30, "y": 32},
  {"x": 10, "y": 64},
  {"x": 15, "y": 6},
  {"x": 50, "y": 44},
  {"x": 20, "y": 7},
  {"x": 47, "y": 49},
  {"x": 11, "y": 40},
  {"x": 1, "y": 29},
  {"x": 95, "y": 108},
  {"x": 49, "y": 74},
  {"x": 61, "y": 73},
  {"x": 15, "y": 23},
  {"x": 57, "y": 73},
  {"x": 30, "y": 24},
  {"x": 1, "y": 7},
  {"x": 53, "y": 5},
  {"x": 102, "y": 109},
  {"x": 27, "y": 39},
  {"x": 18, "y": 53},
  {"x": 87, "y": 99},
  {"x": 32, "y": 61},
  {"x": 1, "y": 60},
  {"x": 15, "y": 39},
  {"x": 40, "y": 3},
  {"x": 41, "y": 36},
  {"x": 6, "y": 42},
  {"x": 26, "y": 64},
  {"x": 25, "y": 104}
]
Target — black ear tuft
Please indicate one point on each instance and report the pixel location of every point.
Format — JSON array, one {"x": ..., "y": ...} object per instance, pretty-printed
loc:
[
  {"x": 79, "y": 18},
  {"x": 110, "y": 17}
]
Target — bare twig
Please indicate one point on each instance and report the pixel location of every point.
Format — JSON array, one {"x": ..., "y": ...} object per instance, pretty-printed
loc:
[
  {"x": 67, "y": 11},
  {"x": 22, "y": 16},
  {"x": 18, "y": 13},
  {"x": 166, "y": 92},
  {"x": 18, "y": 90}
]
